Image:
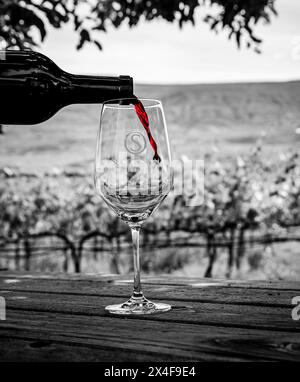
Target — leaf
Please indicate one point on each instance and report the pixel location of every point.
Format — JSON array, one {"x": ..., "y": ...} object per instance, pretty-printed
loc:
[
  {"x": 273, "y": 10},
  {"x": 35, "y": 20},
  {"x": 28, "y": 18},
  {"x": 77, "y": 23},
  {"x": 238, "y": 38},
  {"x": 84, "y": 37},
  {"x": 99, "y": 27},
  {"x": 232, "y": 14},
  {"x": 255, "y": 39},
  {"x": 97, "y": 43},
  {"x": 214, "y": 24}
]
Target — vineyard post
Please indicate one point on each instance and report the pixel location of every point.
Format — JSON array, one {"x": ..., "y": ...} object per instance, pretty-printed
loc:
[
  {"x": 211, "y": 251},
  {"x": 27, "y": 249},
  {"x": 17, "y": 254},
  {"x": 230, "y": 247},
  {"x": 240, "y": 246}
]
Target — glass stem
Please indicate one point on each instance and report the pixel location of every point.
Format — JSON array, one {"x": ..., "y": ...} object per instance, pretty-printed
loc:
[{"x": 137, "y": 290}]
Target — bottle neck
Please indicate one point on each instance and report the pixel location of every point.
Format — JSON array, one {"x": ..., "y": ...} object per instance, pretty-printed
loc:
[{"x": 96, "y": 89}]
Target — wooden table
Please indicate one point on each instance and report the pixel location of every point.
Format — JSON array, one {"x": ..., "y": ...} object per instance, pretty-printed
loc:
[{"x": 62, "y": 318}]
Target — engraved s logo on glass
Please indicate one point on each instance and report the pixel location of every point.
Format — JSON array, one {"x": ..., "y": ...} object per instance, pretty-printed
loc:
[
  {"x": 296, "y": 310},
  {"x": 135, "y": 143}
]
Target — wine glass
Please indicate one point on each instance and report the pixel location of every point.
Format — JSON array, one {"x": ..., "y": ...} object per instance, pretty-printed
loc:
[{"x": 133, "y": 175}]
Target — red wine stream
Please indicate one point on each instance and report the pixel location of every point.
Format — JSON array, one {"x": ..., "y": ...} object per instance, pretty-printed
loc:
[{"x": 143, "y": 117}]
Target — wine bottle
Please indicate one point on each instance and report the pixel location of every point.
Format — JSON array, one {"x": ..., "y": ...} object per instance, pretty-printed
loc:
[{"x": 33, "y": 88}]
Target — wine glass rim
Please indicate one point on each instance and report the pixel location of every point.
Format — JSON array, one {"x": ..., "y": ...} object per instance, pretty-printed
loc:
[{"x": 112, "y": 104}]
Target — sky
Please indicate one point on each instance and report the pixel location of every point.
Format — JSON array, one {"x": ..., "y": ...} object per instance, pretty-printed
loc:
[{"x": 159, "y": 52}]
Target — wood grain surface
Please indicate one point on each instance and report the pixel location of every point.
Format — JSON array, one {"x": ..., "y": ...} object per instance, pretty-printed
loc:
[{"x": 62, "y": 318}]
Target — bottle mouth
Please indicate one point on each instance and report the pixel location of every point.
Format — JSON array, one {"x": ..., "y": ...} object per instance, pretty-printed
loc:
[
  {"x": 126, "y": 86},
  {"x": 128, "y": 103}
]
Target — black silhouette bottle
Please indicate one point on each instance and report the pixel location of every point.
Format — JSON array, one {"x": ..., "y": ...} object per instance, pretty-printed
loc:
[{"x": 33, "y": 88}]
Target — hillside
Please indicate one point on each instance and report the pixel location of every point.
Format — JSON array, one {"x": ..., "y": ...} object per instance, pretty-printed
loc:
[{"x": 223, "y": 118}]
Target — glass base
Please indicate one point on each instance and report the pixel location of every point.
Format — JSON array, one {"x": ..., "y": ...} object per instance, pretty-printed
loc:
[{"x": 138, "y": 305}]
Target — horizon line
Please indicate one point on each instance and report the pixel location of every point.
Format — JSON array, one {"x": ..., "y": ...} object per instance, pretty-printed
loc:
[{"x": 142, "y": 83}]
